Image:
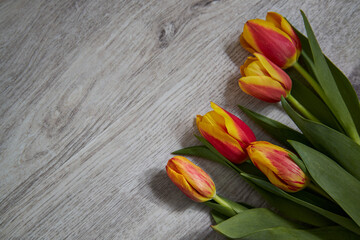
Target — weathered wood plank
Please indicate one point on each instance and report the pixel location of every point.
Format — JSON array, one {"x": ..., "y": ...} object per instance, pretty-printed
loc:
[{"x": 96, "y": 94}]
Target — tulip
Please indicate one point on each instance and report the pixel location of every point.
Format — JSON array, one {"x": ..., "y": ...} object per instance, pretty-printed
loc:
[
  {"x": 263, "y": 79},
  {"x": 273, "y": 37},
  {"x": 278, "y": 166},
  {"x": 226, "y": 133},
  {"x": 190, "y": 179}
]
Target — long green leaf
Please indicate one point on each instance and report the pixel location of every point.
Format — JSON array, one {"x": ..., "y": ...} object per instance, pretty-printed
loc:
[
  {"x": 200, "y": 151},
  {"x": 341, "y": 220},
  {"x": 284, "y": 233},
  {"x": 313, "y": 103},
  {"x": 324, "y": 76},
  {"x": 218, "y": 217},
  {"x": 276, "y": 129},
  {"x": 250, "y": 221},
  {"x": 336, "y": 145},
  {"x": 292, "y": 210},
  {"x": 346, "y": 89},
  {"x": 205, "y": 152},
  {"x": 347, "y": 92},
  {"x": 339, "y": 184}
]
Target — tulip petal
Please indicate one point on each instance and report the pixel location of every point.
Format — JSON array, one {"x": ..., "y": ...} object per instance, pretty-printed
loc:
[
  {"x": 277, "y": 165},
  {"x": 227, "y": 146},
  {"x": 280, "y": 22},
  {"x": 263, "y": 88},
  {"x": 195, "y": 176},
  {"x": 245, "y": 45},
  {"x": 235, "y": 127},
  {"x": 266, "y": 38},
  {"x": 256, "y": 69},
  {"x": 184, "y": 186},
  {"x": 215, "y": 120},
  {"x": 274, "y": 71},
  {"x": 248, "y": 61}
]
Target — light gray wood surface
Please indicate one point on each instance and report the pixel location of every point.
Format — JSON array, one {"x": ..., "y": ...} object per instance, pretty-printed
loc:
[{"x": 95, "y": 95}]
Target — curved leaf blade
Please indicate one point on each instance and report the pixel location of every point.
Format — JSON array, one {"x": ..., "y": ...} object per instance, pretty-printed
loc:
[
  {"x": 277, "y": 130},
  {"x": 347, "y": 91},
  {"x": 200, "y": 151},
  {"x": 292, "y": 210},
  {"x": 341, "y": 220},
  {"x": 250, "y": 221},
  {"x": 323, "y": 74},
  {"x": 327, "y": 140},
  {"x": 339, "y": 184}
]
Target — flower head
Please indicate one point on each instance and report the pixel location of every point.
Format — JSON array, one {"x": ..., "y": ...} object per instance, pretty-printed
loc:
[
  {"x": 264, "y": 80},
  {"x": 226, "y": 133},
  {"x": 190, "y": 179},
  {"x": 273, "y": 37},
  {"x": 278, "y": 166}
]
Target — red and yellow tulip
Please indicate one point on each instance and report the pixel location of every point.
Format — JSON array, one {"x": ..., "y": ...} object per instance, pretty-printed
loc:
[
  {"x": 276, "y": 164},
  {"x": 273, "y": 37},
  {"x": 190, "y": 179},
  {"x": 263, "y": 79},
  {"x": 226, "y": 133}
]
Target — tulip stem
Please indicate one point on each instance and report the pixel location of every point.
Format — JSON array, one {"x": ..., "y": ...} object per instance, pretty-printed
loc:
[
  {"x": 318, "y": 190},
  {"x": 313, "y": 83},
  {"x": 223, "y": 203},
  {"x": 301, "y": 108}
]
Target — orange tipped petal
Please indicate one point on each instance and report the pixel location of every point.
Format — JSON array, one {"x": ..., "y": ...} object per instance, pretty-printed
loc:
[
  {"x": 274, "y": 43},
  {"x": 225, "y": 144},
  {"x": 235, "y": 127},
  {"x": 263, "y": 88},
  {"x": 280, "y": 22},
  {"x": 275, "y": 72},
  {"x": 190, "y": 179},
  {"x": 184, "y": 186},
  {"x": 245, "y": 45},
  {"x": 248, "y": 61},
  {"x": 276, "y": 164}
]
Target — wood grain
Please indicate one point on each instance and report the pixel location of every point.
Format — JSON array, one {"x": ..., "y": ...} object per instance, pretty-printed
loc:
[{"x": 96, "y": 94}]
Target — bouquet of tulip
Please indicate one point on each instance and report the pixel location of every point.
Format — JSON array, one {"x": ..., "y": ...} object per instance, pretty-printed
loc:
[{"x": 315, "y": 182}]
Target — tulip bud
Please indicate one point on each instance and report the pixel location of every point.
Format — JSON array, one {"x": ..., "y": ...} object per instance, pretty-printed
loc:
[
  {"x": 273, "y": 37},
  {"x": 263, "y": 79},
  {"x": 226, "y": 133},
  {"x": 277, "y": 165},
  {"x": 190, "y": 179}
]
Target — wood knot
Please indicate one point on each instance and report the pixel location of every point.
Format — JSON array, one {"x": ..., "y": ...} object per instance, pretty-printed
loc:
[{"x": 167, "y": 34}]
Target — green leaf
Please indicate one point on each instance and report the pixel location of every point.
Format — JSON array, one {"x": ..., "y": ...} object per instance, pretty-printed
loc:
[
  {"x": 339, "y": 184},
  {"x": 276, "y": 129},
  {"x": 250, "y": 221},
  {"x": 292, "y": 210},
  {"x": 336, "y": 145},
  {"x": 285, "y": 233},
  {"x": 347, "y": 91},
  {"x": 341, "y": 220},
  {"x": 323, "y": 74},
  {"x": 200, "y": 151},
  {"x": 313, "y": 103},
  {"x": 218, "y": 217},
  {"x": 205, "y": 152}
]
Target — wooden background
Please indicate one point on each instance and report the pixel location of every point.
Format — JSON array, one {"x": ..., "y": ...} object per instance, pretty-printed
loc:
[{"x": 96, "y": 94}]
